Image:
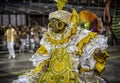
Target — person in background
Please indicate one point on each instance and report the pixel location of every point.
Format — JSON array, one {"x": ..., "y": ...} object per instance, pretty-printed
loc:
[
  {"x": 32, "y": 41},
  {"x": 107, "y": 20},
  {"x": 106, "y": 13},
  {"x": 23, "y": 37},
  {"x": 102, "y": 30},
  {"x": 10, "y": 36},
  {"x": 17, "y": 42},
  {"x": 36, "y": 35},
  {"x": 2, "y": 42}
]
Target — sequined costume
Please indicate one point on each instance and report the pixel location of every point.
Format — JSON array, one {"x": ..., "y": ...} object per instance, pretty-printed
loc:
[{"x": 70, "y": 56}]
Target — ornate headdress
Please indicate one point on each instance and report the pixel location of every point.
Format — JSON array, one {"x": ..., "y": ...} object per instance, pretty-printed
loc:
[{"x": 61, "y": 15}]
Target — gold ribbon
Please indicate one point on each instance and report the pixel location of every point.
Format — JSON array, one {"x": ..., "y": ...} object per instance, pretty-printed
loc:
[
  {"x": 101, "y": 61},
  {"x": 91, "y": 35},
  {"x": 42, "y": 50},
  {"x": 38, "y": 68}
]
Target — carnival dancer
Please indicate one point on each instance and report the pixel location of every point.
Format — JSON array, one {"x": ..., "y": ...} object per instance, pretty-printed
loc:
[{"x": 69, "y": 53}]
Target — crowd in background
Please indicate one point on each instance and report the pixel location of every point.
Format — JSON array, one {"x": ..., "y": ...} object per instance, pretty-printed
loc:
[{"x": 28, "y": 37}]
